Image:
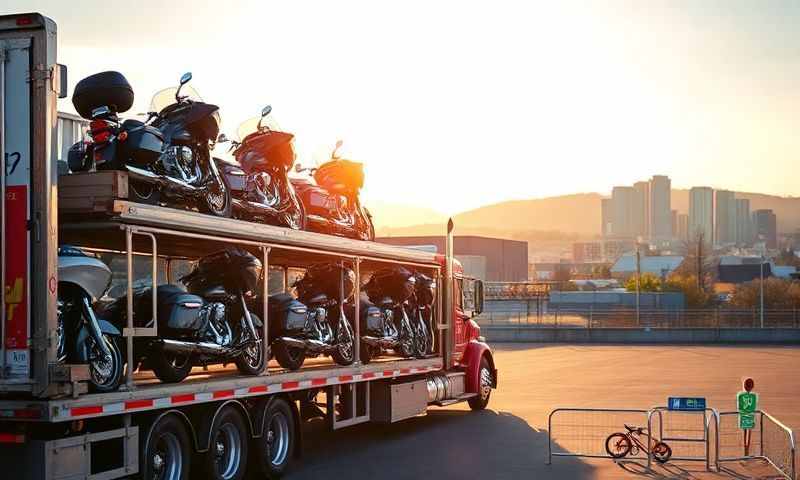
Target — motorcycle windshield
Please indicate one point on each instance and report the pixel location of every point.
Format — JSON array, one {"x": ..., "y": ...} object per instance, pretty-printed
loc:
[
  {"x": 250, "y": 126},
  {"x": 164, "y": 98}
]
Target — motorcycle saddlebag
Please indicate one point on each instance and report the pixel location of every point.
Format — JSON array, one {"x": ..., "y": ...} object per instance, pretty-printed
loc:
[
  {"x": 104, "y": 89},
  {"x": 287, "y": 314},
  {"x": 143, "y": 144},
  {"x": 340, "y": 175},
  {"x": 179, "y": 311}
]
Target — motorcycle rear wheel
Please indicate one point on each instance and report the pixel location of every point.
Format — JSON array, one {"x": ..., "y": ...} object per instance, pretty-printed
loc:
[
  {"x": 141, "y": 192},
  {"x": 171, "y": 367},
  {"x": 288, "y": 357}
]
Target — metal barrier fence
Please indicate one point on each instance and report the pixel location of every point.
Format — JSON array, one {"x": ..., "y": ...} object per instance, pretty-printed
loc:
[
  {"x": 582, "y": 432},
  {"x": 533, "y": 315},
  {"x": 771, "y": 440}
]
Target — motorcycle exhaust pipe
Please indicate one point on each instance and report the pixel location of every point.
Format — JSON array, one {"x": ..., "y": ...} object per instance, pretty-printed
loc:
[
  {"x": 192, "y": 348},
  {"x": 163, "y": 181},
  {"x": 312, "y": 346}
]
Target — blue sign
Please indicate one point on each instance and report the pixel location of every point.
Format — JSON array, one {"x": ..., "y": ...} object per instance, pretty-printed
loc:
[{"x": 691, "y": 404}]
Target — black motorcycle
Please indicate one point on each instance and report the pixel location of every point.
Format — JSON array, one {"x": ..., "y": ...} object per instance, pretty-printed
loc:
[
  {"x": 389, "y": 290},
  {"x": 316, "y": 323},
  {"x": 332, "y": 204},
  {"x": 82, "y": 337},
  {"x": 167, "y": 157},
  {"x": 423, "y": 312},
  {"x": 258, "y": 177},
  {"x": 209, "y": 323}
]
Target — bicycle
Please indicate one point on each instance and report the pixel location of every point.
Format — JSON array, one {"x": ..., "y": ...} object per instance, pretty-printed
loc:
[{"x": 621, "y": 444}]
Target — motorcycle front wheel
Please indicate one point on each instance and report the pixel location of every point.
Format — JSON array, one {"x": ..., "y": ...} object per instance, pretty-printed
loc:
[
  {"x": 105, "y": 373},
  {"x": 252, "y": 360},
  {"x": 345, "y": 345},
  {"x": 217, "y": 200},
  {"x": 420, "y": 339}
]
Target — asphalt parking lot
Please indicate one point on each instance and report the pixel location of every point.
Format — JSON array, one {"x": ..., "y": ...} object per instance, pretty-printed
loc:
[{"x": 509, "y": 439}]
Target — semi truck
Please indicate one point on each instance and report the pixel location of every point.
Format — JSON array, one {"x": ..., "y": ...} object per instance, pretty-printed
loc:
[{"x": 53, "y": 427}]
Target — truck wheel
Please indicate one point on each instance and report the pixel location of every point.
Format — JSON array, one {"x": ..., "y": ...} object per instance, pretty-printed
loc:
[
  {"x": 288, "y": 357},
  {"x": 166, "y": 450},
  {"x": 226, "y": 458},
  {"x": 171, "y": 367},
  {"x": 273, "y": 450},
  {"x": 484, "y": 386}
]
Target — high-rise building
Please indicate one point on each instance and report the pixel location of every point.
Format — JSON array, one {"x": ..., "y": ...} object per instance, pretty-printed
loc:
[
  {"x": 682, "y": 227},
  {"x": 623, "y": 199},
  {"x": 725, "y": 218},
  {"x": 641, "y": 209},
  {"x": 744, "y": 222},
  {"x": 660, "y": 207},
  {"x": 701, "y": 214},
  {"x": 766, "y": 227},
  {"x": 606, "y": 216}
]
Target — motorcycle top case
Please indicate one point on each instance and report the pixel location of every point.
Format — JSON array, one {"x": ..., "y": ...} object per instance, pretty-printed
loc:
[
  {"x": 287, "y": 315},
  {"x": 104, "y": 89},
  {"x": 234, "y": 268},
  {"x": 397, "y": 283},
  {"x": 340, "y": 176},
  {"x": 324, "y": 279},
  {"x": 143, "y": 144}
]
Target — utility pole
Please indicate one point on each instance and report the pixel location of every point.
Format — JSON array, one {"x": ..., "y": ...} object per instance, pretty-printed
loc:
[
  {"x": 638, "y": 285},
  {"x": 761, "y": 284}
]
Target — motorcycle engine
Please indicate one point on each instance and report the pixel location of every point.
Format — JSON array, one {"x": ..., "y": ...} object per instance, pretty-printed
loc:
[
  {"x": 218, "y": 330},
  {"x": 178, "y": 161}
]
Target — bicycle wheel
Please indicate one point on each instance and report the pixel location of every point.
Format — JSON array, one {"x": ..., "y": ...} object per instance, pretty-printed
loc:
[
  {"x": 618, "y": 445},
  {"x": 662, "y": 452}
]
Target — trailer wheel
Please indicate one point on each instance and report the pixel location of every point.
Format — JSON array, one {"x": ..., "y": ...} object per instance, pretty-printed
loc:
[
  {"x": 273, "y": 450},
  {"x": 226, "y": 458},
  {"x": 166, "y": 451},
  {"x": 484, "y": 386}
]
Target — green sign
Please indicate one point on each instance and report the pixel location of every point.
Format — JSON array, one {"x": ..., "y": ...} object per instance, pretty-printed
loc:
[{"x": 747, "y": 404}]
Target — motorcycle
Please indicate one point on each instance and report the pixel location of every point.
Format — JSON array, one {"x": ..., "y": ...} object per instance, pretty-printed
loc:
[
  {"x": 208, "y": 323},
  {"x": 258, "y": 180},
  {"x": 388, "y": 290},
  {"x": 81, "y": 336},
  {"x": 322, "y": 327},
  {"x": 167, "y": 157},
  {"x": 424, "y": 318},
  {"x": 331, "y": 203}
]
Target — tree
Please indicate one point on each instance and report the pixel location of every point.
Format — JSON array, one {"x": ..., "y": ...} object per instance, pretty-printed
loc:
[
  {"x": 778, "y": 294},
  {"x": 788, "y": 258},
  {"x": 695, "y": 296},
  {"x": 601, "y": 272},
  {"x": 647, "y": 283}
]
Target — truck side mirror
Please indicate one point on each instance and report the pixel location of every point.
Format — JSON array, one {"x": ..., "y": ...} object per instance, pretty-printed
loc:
[
  {"x": 60, "y": 76},
  {"x": 478, "y": 292}
]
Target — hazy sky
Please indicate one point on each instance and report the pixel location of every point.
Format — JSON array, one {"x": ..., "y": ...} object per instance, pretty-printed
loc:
[{"x": 453, "y": 105}]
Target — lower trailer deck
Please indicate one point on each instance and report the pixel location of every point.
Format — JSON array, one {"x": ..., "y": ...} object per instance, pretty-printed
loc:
[{"x": 214, "y": 384}]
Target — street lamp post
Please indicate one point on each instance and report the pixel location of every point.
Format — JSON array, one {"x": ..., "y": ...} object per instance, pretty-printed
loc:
[
  {"x": 638, "y": 286},
  {"x": 761, "y": 294}
]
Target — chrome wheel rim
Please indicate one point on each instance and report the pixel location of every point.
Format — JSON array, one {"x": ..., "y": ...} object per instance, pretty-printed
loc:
[
  {"x": 227, "y": 450},
  {"x": 345, "y": 341},
  {"x": 278, "y": 439},
  {"x": 101, "y": 367},
  {"x": 486, "y": 383},
  {"x": 167, "y": 458}
]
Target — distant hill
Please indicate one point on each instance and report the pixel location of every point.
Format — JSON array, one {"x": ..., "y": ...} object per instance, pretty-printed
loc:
[
  {"x": 387, "y": 215},
  {"x": 567, "y": 217}
]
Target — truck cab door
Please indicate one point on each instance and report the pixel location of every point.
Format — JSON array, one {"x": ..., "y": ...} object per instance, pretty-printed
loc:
[{"x": 460, "y": 319}]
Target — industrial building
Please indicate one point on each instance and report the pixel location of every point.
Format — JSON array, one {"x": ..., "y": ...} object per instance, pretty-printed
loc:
[{"x": 489, "y": 259}]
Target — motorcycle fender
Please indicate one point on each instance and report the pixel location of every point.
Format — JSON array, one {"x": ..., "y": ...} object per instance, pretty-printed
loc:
[
  {"x": 79, "y": 351},
  {"x": 471, "y": 361}
]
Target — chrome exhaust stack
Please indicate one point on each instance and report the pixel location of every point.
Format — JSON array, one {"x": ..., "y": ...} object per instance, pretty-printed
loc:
[{"x": 163, "y": 181}]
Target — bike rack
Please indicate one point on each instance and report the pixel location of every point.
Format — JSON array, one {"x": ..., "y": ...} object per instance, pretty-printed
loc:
[{"x": 708, "y": 415}]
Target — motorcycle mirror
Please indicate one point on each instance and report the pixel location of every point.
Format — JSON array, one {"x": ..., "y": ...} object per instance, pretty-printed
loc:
[
  {"x": 298, "y": 168},
  {"x": 100, "y": 112},
  {"x": 339, "y": 144},
  {"x": 222, "y": 138},
  {"x": 186, "y": 78},
  {"x": 266, "y": 110}
]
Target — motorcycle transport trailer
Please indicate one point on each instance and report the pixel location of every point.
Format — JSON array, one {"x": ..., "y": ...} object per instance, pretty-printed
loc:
[{"x": 52, "y": 427}]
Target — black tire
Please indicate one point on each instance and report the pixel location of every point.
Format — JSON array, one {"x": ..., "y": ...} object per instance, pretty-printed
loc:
[
  {"x": 272, "y": 451},
  {"x": 105, "y": 375},
  {"x": 618, "y": 445},
  {"x": 295, "y": 216},
  {"x": 170, "y": 367},
  {"x": 662, "y": 452},
  {"x": 141, "y": 192},
  {"x": 226, "y": 458},
  {"x": 420, "y": 340},
  {"x": 485, "y": 379},
  {"x": 251, "y": 362},
  {"x": 166, "y": 450},
  {"x": 345, "y": 351},
  {"x": 366, "y": 352},
  {"x": 217, "y": 200},
  {"x": 288, "y": 357},
  {"x": 405, "y": 339}
]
